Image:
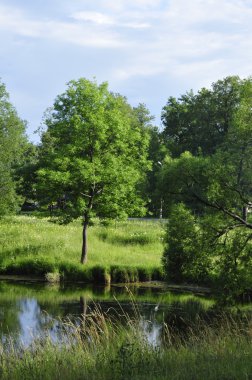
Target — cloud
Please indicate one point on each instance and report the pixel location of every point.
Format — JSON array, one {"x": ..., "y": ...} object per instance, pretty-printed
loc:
[
  {"x": 142, "y": 47},
  {"x": 106, "y": 20},
  {"x": 190, "y": 38},
  {"x": 95, "y": 17},
  {"x": 17, "y": 23},
  {"x": 122, "y": 5}
]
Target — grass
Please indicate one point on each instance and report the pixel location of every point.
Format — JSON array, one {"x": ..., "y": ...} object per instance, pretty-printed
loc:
[
  {"x": 122, "y": 252},
  {"x": 97, "y": 348}
]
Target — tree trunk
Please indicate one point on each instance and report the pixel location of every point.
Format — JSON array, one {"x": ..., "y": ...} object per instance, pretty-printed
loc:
[
  {"x": 244, "y": 213},
  {"x": 84, "y": 243},
  {"x": 83, "y": 305}
]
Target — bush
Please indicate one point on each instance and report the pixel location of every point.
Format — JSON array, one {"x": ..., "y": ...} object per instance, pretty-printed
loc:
[
  {"x": 52, "y": 277},
  {"x": 183, "y": 257},
  {"x": 119, "y": 274},
  {"x": 100, "y": 274},
  {"x": 144, "y": 274},
  {"x": 74, "y": 272},
  {"x": 157, "y": 274},
  {"x": 31, "y": 266}
]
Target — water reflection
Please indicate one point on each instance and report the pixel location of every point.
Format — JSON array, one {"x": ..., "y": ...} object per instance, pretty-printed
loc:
[{"x": 32, "y": 311}]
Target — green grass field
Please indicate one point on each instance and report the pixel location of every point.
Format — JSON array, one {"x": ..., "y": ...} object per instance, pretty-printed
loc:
[{"x": 35, "y": 246}]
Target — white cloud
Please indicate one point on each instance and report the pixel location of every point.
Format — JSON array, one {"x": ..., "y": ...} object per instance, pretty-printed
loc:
[
  {"x": 192, "y": 43},
  {"x": 106, "y": 20},
  {"x": 120, "y": 6},
  {"x": 16, "y": 22},
  {"x": 190, "y": 38},
  {"x": 95, "y": 17}
]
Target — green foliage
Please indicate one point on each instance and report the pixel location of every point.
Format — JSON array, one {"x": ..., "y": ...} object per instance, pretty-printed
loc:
[
  {"x": 31, "y": 266},
  {"x": 145, "y": 274},
  {"x": 93, "y": 147},
  {"x": 200, "y": 122},
  {"x": 100, "y": 274},
  {"x": 94, "y": 154},
  {"x": 70, "y": 271},
  {"x": 234, "y": 265},
  {"x": 183, "y": 257},
  {"x": 156, "y": 153},
  {"x": 217, "y": 188},
  {"x": 52, "y": 277},
  {"x": 124, "y": 274},
  {"x": 25, "y": 172},
  {"x": 12, "y": 142}
]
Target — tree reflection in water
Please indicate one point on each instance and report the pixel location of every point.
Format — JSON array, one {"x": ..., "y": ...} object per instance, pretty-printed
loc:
[{"x": 34, "y": 311}]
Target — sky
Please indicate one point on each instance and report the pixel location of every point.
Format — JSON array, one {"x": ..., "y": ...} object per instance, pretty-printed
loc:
[{"x": 147, "y": 50}]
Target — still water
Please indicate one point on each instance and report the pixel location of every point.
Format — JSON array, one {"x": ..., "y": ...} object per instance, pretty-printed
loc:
[{"x": 30, "y": 311}]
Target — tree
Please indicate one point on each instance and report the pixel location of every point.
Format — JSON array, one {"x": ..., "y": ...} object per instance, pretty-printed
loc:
[
  {"x": 25, "y": 172},
  {"x": 94, "y": 154},
  {"x": 12, "y": 142},
  {"x": 199, "y": 122},
  {"x": 156, "y": 153},
  {"x": 217, "y": 189},
  {"x": 184, "y": 258}
]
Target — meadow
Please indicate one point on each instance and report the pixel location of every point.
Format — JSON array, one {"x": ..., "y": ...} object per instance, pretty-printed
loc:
[{"x": 127, "y": 251}]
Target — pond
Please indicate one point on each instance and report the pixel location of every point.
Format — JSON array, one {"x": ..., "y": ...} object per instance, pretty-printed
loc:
[{"x": 30, "y": 311}]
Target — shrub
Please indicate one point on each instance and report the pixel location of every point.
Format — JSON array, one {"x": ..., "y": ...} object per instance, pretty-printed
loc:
[
  {"x": 100, "y": 274},
  {"x": 157, "y": 274},
  {"x": 74, "y": 272},
  {"x": 133, "y": 274},
  {"x": 52, "y": 277},
  {"x": 183, "y": 257},
  {"x": 31, "y": 266},
  {"x": 119, "y": 274},
  {"x": 144, "y": 274}
]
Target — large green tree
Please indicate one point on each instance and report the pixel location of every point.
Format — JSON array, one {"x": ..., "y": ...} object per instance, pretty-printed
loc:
[
  {"x": 12, "y": 143},
  {"x": 94, "y": 154},
  {"x": 217, "y": 190}
]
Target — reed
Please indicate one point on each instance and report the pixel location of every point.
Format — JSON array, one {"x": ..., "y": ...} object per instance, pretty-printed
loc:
[{"x": 97, "y": 347}]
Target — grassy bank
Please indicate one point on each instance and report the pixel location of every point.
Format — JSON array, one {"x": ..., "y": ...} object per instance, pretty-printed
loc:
[
  {"x": 100, "y": 349},
  {"x": 122, "y": 252}
]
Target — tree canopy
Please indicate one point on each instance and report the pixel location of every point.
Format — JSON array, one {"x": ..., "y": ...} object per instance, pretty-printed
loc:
[
  {"x": 199, "y": 122},
  {"x": 217, "y": 189}
]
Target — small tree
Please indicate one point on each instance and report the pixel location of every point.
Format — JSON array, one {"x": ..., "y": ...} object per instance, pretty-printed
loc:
[
  {"x": 94, "y": 152},
  {"x": 184, "y": 258}
]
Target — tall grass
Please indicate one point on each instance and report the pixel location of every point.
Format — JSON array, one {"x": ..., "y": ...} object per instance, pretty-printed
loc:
[
  {"x": 123, "y": 251},
  {"x": 98, "y": 348}
]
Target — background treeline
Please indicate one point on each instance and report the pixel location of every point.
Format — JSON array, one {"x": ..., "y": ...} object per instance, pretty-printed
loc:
[{"x": 102, "y": 157}]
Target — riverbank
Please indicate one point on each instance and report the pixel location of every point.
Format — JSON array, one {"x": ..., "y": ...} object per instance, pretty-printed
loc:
[{"x": 122, "y": 252}]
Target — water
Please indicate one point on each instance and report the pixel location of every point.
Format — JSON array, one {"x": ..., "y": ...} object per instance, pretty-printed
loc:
[{"x": 31, "y": 311}]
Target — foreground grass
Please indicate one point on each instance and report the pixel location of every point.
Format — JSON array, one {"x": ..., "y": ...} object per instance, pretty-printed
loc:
[
  {"x": 97, "y": 348},
  {"x": 125, "y": 251}
]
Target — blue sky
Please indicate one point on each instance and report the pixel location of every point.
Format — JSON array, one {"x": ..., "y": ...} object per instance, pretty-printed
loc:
[{"x": 147, "y": 50}]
